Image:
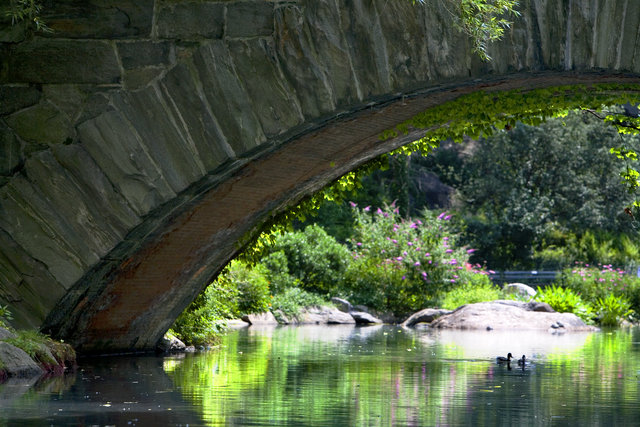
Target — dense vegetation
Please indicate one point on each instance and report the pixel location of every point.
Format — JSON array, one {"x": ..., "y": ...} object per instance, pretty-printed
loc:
[{"x": 542, "y": 197}]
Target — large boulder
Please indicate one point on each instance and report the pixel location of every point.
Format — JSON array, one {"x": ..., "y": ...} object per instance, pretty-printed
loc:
[
  {"x": 170, "y": 344},
  {"x": 5, "y": 333},
  {"x": 504, "y": 315},
  {"x": 427, "y": 315},
  {"x": 266, "y": 318},
  {"x": 364, "y": 318},
  {"x": 17, "y": 363},
  {"x": 520, "y": 289},
  {"x": 323, "y": 314}
]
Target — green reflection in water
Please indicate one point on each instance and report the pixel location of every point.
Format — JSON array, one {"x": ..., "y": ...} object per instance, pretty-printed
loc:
[{"x": 388, "y": 376}]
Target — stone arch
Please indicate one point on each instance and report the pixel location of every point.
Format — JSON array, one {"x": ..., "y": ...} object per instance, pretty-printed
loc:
[{"x": 167, "y": 133}]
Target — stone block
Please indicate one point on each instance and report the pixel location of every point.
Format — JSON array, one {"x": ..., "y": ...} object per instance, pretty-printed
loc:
[
  {"x": 10, "y": 150},
  {"x": 99, "y": 18},
  {"x": 42, "y": 124},
  {"x": 62, "y": 61},
  {"x": 274, "y": 101},
  {"x": 249, "y": 19},
  {"x": 14, "y": 98},
  {"x": 119, "y": 153},
  {"x": 17, "y": 363},
  {"x": 227, "y": 97},
  {"x": 190, "y": 20},
  {"x": 144, "y": 53}
]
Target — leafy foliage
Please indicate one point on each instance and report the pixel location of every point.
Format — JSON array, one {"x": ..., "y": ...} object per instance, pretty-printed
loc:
[
  {"x": 612, "y": 309},
  {"x": 484, "y": 21},
  {"x": 5, "y": 315},
  {"x": 315, "y": 261},
  {"x": 470, "y": 293},
  {"x": 292, "y": 300},
  {"x": 610, "y": 290},
  {"x": 403, "y": 265},
  {"x": 27, "y": 11},
  {"x": 565, "y": 300}
]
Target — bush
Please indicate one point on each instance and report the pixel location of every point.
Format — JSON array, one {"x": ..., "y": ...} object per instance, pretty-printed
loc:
[
  {"x": 315, "y": 261},
  {"x": 470, "y": 293},
  {"x": 598, "y": 282},
  {"x": 292, "y": 300},
  {"x": 251, "y": 284},
  {"x": 401, "y": 265},
  {"x": 205, "y": 319},
  {"x": 612, "y": 310},
  {"x": 565, "y": 300}
]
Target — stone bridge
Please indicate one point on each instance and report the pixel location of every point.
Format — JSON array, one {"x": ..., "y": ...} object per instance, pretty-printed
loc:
[{"x": 144, "y": 141}]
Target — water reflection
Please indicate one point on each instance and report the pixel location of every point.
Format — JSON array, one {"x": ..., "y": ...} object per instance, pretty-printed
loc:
[
  {"x": 389, "y": 376},
  {"x": 347, "y": 375}
]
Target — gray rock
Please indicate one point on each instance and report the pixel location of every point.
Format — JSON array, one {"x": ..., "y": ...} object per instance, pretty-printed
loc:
[
  {"x": 144, "y": 53},
  {"x": 323, "y": 315},
  {"x": 236, "y": 324},
  {"x": 10, "y": 150},
  {"x": 427, "y": 315},
  {"x": 501, "y": 315},
  {"x": 5, "y": 333},
  {"x": 17, "y": 363},
  {"x": 16, "y": 97},
  {"x": 519, "y": 289},
  {"x": 363, "y": 318},
  {"x": 266, "y": 318},
  {"x": 63, "y": 61},
  {"x": 170, "y": 344},
  {"x": 190, "y": 21},
  {"x": 249, "y": 19},
  {"x": 342, "y": 304}
]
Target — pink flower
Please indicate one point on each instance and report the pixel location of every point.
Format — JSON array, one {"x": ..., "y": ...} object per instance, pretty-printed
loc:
[
  {"x": 449, "y": 251},
  {"x": 442, "y": 215},
  {"x": 367, "y": 209},
  {"x": 353, "y": 205},
  {"x": 416, "y": 263},
  {"x": 470, "y": 251},
  {"x": 453, "y": 261}
]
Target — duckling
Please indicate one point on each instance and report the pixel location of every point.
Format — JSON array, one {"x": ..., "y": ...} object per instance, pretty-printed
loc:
[
  {"x": 501, "y": 359},
  {"x": 521, "y": 361}
]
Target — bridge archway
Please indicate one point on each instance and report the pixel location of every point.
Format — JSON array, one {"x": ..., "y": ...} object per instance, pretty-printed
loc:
[{"x": 193, "y": 123}]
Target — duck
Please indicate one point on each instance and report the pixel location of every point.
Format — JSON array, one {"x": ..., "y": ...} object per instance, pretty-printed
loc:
[
  {"x": 521, "y": 361},
  {"x": 502, "y": 359}
]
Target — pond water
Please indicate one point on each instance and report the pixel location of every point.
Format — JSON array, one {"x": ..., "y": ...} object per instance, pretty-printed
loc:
[{"x": 349, "y": 376}]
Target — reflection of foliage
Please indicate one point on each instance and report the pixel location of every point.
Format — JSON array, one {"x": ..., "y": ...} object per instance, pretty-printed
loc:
[{"x": 291, "y": 377}]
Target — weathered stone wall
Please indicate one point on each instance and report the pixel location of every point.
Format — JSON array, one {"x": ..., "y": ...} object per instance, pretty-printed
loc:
[{"x": 142, "y": 139}]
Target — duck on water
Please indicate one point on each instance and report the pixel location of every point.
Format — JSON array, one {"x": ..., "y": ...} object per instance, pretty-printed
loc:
[{"x": 502, "y": 359}]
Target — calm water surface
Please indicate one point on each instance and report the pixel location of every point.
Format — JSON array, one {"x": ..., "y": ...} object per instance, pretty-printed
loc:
[{"x": 350, "y": 376}]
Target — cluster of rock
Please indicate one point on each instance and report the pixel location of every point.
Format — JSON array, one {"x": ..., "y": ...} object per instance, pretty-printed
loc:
[
  {"x": 499, "y": 315},
  {"x": 50, "y": 357},
  {"x": 343, "y": 313}
]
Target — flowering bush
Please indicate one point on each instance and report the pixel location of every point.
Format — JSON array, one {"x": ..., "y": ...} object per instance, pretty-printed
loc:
[
  {"x": 606, "y": 288},
  {"x": 403, "y": 265}
]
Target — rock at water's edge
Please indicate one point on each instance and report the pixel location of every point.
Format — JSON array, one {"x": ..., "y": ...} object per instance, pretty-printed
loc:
[
  {"x": 17, "y": 363},
  {"x": 427, "y": 315},
  {"x": 510, "y": 315},
  {"x": 363, "y": 318},
  {"x": 266, "y": 318}
]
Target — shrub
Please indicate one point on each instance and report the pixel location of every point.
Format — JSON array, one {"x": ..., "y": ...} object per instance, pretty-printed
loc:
[
  {"x": 204, "y": 320},
  {"x": 292, "y": 300},
  {"x": 612, "y": 310},
  {"x": 565, "y": 300},
  {"x": 315, "y": 260},
  {"x": 598, "y": 282},
  {"x": 403, "y": 265},
  {"x": 251, "y": 284},
  {"x": 5, "y": 315},
  {"x": 470, "y": 293}
]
